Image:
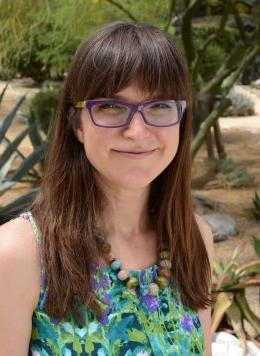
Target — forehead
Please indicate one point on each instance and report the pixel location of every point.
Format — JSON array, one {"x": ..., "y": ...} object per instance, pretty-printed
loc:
[{"x": 133, "y": 92}]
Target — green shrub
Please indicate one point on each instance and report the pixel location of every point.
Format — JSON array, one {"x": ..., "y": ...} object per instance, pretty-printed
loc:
[
  {"x": 43, "y": 107},
  {"x": 216, "y": 52},
  {"x": 234, "y": 176}
]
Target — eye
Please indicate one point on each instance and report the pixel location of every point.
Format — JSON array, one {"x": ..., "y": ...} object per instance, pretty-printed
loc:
[
  {"x": 107, "y": 106},
  {"x": 156, "y": 106}
]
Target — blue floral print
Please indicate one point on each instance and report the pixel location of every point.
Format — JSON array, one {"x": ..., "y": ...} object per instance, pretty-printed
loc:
[{"x": 132, "y": 324}]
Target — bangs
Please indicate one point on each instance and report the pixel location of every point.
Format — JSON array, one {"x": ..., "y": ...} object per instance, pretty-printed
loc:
[{"x": 117, "y": 56}]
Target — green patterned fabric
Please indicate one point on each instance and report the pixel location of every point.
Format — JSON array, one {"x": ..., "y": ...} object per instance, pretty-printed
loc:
[{"x": 132, "y": 324}]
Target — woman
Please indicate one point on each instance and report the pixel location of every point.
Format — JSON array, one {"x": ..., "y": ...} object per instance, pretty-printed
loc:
[{"x": 124, "y": 263}]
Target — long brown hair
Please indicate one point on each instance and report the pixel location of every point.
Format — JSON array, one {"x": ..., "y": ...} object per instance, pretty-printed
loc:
[{"x": 69, "y": 203}]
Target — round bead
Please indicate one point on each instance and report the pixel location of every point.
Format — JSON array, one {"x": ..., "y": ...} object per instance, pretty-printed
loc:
[
  {"x": 116, "y": 264},
  {"x": 162, "y": 282},
  {"x": 132, "y": 282},
  {"x": 164, "y": 255},
  {"x": 166, "y": 264},
  {"x": 132, "y": 291},
  {"x": 164, "y": 273},
  {"x": 122, "y": 275},
  {"x": 154, "y": 289},
  {"x": 106, "y": 247}
]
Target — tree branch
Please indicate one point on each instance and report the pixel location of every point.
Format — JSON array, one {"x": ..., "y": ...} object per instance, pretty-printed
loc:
[
  {"x": 239, "y": 22},
  {"x": 206, "y": 125},
  {"x": 211, "y": 38},
  {"x": 229, "y": 81},
  {"x": 186, "y": 31},
  {"x": 226, "y": 69},
  {"x": 123, "y": 9},
  {"x": 196, "y": 63},
  {"x": 170, "y": 14},
  {"x": 225, "y": 102}
]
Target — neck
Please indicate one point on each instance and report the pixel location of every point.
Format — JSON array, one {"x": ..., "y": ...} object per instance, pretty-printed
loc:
[
  {"x": 127, "y": 227},
  {"x": 125, "y": 215}
]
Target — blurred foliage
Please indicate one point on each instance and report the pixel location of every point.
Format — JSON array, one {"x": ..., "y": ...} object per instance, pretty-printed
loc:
[
  {"x": 43, "y": 106},
  {"x": 230, "y": 175},
  {"x": 216, "y": 52},
  {"x": 39, "y": 38}
]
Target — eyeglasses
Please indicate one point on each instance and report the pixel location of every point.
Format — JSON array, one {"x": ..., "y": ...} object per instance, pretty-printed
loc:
[{"x": 117, "y": 113}]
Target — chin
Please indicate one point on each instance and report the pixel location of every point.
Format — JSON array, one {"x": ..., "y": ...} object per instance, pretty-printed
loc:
[{"x": 134, "y": 182}]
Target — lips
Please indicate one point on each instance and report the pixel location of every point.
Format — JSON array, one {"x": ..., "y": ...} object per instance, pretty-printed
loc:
[
  {"x": 135, "y": 152},
  {"x": 136, "y": 155}
]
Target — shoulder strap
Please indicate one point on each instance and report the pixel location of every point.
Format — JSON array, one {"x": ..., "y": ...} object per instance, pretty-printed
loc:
[
  {"x": 28, "y": 216},
  {"x": 44, "y": 283}
]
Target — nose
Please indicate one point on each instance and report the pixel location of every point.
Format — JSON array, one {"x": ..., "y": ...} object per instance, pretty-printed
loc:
[{"x": 137, "y": 126}]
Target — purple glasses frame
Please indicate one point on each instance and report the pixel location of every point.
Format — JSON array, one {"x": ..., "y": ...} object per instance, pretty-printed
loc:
[{"x": 134, "y": 107}]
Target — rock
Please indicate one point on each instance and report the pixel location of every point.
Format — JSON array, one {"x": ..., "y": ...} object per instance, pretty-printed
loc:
[
  {"x": 226, "y": 344},
  {"x": 202, "y": 202},
  {"x": 222, "y": 226}
]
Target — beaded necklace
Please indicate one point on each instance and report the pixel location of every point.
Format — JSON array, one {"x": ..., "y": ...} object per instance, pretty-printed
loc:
[{"x": 132, "y": 283}]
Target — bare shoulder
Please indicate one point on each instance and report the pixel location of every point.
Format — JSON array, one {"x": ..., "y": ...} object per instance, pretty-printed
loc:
[
  {"x": 207, "y": 236},
  {"x": 19, "y": 256},
  {"x": 19, "y": 285}
]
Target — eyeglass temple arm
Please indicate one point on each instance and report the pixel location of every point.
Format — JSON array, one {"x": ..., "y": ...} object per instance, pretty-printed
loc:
[{"x": 79, "y": 105}]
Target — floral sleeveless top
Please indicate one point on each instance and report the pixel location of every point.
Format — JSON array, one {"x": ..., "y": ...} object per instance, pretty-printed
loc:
[{"x": 130, "y": 325}]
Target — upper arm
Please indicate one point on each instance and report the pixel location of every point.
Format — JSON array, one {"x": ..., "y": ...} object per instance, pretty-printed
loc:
[
  {"x": 205, "y": 314},
  {"x": 208, "y": 239},
  {"x": 19, "y": 286}
]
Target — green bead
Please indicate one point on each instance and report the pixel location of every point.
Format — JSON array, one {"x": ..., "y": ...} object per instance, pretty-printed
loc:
[
  {"x": 164, "y": 255},
  {"x": 132, "y": 282},
  {"x": 162, "y": 282}
]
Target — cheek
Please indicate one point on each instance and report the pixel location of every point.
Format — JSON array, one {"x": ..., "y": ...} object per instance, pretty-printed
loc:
[{"x": 171, "y": 142}]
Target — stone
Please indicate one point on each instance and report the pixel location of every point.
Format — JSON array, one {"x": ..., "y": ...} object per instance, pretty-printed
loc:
[{"x": 222, "y": 226}]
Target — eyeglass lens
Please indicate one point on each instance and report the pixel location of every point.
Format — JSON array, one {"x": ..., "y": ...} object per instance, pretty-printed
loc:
[{"x": 156, "y": 113}]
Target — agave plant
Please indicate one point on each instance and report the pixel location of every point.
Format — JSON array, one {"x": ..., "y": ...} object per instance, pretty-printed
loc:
[
  {"x": 254, "y": 211},
  {"x": 230, "y": 282},
  {"x": 26, "y": 171},
  {"x": 231, "y": 176}
]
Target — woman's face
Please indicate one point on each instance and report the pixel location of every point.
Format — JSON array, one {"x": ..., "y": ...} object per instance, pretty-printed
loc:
[{"x": 105, "y": 147}]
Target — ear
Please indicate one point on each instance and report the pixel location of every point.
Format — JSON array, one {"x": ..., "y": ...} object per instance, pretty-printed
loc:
[
  {"x": 77, "y": 129},
  {"x": 78, "y": 133}
]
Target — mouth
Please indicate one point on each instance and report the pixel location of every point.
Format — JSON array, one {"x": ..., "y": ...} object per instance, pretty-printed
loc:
[{"x": 135, "y": 154}]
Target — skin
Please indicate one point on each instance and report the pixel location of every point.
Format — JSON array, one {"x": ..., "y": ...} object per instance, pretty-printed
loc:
[{"x": 126, "y": 183}]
